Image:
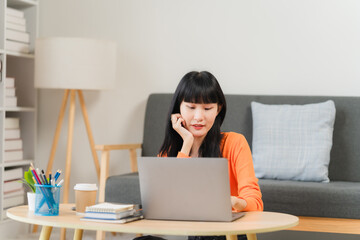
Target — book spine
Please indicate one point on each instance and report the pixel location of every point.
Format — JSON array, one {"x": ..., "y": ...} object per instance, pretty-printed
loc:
[
  {"x": 14, "y": 173},
  {"x": 15, "y": 193},
  {"x": 10, "y": 101},
  {"x": 110, "y": 208},
  {"x": 17, "y": 36},
  {"x": 112, "y": 216},
  {"x": 9, "y": 82},
  {"x": 17, "y": 27},
  {"x": 15, "y": 20},
  {"x": 123, "y": 220},
  {"x": 13, "y": 201},
  {"x": 13, "y": 133},
  {"x": 10, "y": 156},
  {"x": 17, "y": 46},
  {"x": 10, "y": 92},
  {"x": 12, "y": 123},
  {"x": 13, "y": 144},
  {"x": 10, "y": 186},
  {"x": 14, "y": 12}
]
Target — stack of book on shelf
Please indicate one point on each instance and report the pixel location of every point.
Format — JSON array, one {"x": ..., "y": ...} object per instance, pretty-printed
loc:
[
  {"x": 17, "y": 39},
  {"x": 10, "y": 95},
  {"x": 13, "y": 188},
  {"x": 113, "y": 213},
  {"x": 13, "y": 150}
]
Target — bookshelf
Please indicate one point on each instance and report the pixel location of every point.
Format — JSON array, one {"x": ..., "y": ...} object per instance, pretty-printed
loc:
[{"x": 18, "y": 31}]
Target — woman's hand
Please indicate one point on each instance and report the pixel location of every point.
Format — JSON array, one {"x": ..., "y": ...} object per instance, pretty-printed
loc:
[
  {"x": 238, "y": 203},
  {"x": 178, "y": 124}
]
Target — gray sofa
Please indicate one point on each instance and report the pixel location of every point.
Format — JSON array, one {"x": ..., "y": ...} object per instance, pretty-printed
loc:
[{"x": 338, "y": 199}]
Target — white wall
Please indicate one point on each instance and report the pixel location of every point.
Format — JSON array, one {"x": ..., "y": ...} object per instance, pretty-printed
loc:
[{"x": 307, "y": 47}]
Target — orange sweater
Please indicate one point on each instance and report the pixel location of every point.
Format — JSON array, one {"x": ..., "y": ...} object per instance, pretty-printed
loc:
[{"x": 243, "y": 183}]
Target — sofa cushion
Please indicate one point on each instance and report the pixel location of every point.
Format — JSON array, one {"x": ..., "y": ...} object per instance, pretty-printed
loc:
[
  {"x": 123, "y": 188},
  {"x": 293, "y": 142},
  {"x": 334, "y": 199}
]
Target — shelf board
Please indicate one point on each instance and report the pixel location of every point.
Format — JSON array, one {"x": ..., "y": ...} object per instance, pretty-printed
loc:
[
  {"x": 18, "y": 163},
  {"x": 22, "y": 3},
  {"x": 19, "y": 54},
  {"x": 18, "y": 109}
]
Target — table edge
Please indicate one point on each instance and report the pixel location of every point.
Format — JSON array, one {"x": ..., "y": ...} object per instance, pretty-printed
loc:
[{"x": 128, "y": 228}]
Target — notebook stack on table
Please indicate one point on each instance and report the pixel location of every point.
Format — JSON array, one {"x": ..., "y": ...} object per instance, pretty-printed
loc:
[{"x": 113, "y": 213}]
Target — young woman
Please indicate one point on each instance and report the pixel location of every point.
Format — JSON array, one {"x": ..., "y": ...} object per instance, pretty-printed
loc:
[{"x": 196, "y": 113}]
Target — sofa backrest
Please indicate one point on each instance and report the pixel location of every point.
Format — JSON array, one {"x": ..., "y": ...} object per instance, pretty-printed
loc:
[{"x": 345, "y": 153}]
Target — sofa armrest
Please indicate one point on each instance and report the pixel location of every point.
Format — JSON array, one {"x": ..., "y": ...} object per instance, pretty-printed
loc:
[
  {"x": 118, "y": 146},
  {"x": 104, "y": 162}
]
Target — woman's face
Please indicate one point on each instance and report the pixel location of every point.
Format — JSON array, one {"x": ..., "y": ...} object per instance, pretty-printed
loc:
[{"x": 199, "y": 117}]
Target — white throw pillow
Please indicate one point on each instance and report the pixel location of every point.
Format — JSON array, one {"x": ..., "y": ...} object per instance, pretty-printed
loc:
[{"x": 292, "y": 142}]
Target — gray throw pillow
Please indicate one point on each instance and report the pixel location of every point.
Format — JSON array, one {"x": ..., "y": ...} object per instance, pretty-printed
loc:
[{"x": 292, "y": 142}]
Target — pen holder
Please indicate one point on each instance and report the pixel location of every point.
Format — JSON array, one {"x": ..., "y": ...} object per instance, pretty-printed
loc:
[{"x": 47, "y": 200}]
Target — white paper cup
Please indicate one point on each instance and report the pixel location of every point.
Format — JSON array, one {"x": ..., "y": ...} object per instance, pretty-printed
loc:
[{"x": 85, "y": 195}]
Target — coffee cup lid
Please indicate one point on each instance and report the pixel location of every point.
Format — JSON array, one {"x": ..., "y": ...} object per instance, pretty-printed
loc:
[{"x": 85, "y": 187}]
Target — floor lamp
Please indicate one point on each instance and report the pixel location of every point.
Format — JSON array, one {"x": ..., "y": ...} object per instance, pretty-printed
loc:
[{"x": 74, "y": 64}]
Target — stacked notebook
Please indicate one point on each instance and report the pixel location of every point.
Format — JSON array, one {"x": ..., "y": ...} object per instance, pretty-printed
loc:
[
  {"x": 17, "y": 38},
  {"x": 10, "y": 92},
  {"x": 113, "y": 213},
  {"x": 12, "y": 188},
  {"x": 13, "y": 144}
]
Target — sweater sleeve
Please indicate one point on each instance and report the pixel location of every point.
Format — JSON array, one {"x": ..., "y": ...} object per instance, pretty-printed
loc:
[
  {"x": 182, "y": 155},
  {"x": 243, "y": 182}
]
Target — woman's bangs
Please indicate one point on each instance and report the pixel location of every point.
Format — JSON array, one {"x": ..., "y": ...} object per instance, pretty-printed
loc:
[{"x": 200, "y": 95}]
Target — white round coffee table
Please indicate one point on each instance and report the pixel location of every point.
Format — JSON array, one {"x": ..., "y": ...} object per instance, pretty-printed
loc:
[{"x": 250, "y": 224}]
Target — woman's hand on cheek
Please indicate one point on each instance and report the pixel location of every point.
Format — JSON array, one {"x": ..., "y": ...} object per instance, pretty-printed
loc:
[{"x": 178, "y": 124}]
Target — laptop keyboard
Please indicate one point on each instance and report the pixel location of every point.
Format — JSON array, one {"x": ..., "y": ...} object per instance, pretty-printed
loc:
[{"x": 236, "y": 215}]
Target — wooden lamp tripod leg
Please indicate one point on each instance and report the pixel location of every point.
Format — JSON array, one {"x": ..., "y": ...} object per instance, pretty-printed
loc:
[
  {"x": 88, "y": 129},
  {"x": 69, "y": 146},
  {"x": 68, "y": 153},
  {"x": 57, "y": 131}
]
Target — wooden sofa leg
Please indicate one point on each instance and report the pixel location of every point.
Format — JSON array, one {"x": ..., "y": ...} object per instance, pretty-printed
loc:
[{"x": 133, "y": 157}]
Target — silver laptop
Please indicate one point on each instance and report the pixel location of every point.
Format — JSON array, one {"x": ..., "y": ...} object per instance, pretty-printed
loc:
[{"x": 191, "y": 189}]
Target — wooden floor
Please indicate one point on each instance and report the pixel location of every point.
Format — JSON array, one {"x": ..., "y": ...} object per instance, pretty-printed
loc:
[{"x": 328, "y": 225}]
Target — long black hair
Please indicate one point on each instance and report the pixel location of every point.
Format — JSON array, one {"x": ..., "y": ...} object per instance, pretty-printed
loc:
[{"x": 196, "y": 87}]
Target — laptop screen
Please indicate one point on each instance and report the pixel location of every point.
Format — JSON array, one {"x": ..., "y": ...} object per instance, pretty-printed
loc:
[{"x": 195, "y": 189}]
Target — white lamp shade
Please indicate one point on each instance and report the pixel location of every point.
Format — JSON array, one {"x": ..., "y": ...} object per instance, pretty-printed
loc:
[{"x": 75, "y": 63}]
